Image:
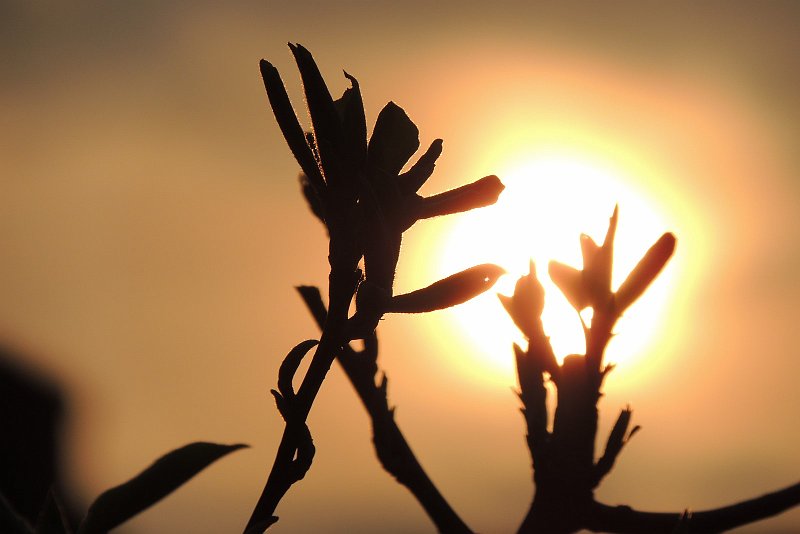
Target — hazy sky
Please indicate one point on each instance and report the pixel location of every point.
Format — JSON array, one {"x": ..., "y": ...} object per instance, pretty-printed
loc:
[{"x": 152, "y": 233}]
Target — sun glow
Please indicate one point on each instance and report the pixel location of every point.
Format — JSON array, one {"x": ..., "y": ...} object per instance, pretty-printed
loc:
[{"x": 550, "y": 199}]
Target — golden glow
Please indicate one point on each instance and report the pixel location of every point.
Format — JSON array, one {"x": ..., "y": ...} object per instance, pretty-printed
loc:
[{"x": 550, "y": 199}]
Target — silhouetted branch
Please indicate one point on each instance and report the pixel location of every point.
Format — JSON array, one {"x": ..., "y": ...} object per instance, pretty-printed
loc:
[
  {"x": 355, "y": 187},
  {"x": 285, "y": 471},
  {"x": 565, "y": 472},
  {"x": 391, "y": 447},
  {"x": 625, "y": 520}
]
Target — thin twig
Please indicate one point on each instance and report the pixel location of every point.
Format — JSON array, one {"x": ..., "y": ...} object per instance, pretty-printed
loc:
[
  {"x": 625, "y": 520},
  {"x": 391, "y": 446}
]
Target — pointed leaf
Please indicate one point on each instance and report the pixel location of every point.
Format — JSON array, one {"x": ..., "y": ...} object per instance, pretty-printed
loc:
[
  {"x": 616, "y": 440},
  {"x": 117, "y": 505},
  {"x": 394, "y": 140},
  {"x": 570, "y": 281},
  {"x": 508, "y": 304},
  {"x": 455, "y": 289},
  {"x": 481, "y": 193},
  {"x": 589, "y": 250},
  {"x": 313, "y": 299},
  {"x": 645, "y": 272},
  {"x": 597, "y": 275},
  {"x": 327, "y": 127},
  {"x": 289, "y": 367},
  {"x": 612, "y": 228},
  {"x": 527, "y": 304},
  {"x": 354, "y": 124},
  {"x": 289, "y": 125},
  {"x": 410, "y": 181},
  {"x": 281, "y": 404}
]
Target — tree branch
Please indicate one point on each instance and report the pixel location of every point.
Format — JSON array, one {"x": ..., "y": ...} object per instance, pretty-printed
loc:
[
  {"x": 391, "y": 447},
  {"x": 625, "y": 520}
]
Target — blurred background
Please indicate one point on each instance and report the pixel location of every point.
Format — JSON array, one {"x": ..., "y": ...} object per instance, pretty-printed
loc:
[{"x": 152, "y": 231}]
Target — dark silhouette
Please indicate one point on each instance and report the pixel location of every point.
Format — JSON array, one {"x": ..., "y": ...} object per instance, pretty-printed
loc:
[
  {"x": 358, "y": 191},
  {"x": 356, "y": 188},
  {"x": 31, "y": 410},
  {"x": 31, "y": 494},
  {"x": 565, "y": 470}
]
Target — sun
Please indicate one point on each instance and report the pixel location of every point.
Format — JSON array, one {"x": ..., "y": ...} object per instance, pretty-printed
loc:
[{"x": 549, "y": 200}]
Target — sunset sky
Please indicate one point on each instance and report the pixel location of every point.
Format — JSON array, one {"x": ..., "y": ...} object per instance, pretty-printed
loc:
[{"x": 152, "y": 232}]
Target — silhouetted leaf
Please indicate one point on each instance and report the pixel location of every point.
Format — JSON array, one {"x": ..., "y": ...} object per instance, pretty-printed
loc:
[
  {"x": 454, "y": 289},
  {"x": 589, "y": 250},
  {"x": 525, "y": 306},
  {"x": 570, "y": 281},
  {"x": 327, "y": 127},
  {"x": 289, "y": 366},
  {"x": 354, "y": 124},
  {"x": 10, "y": 521},
  {"x": 645, "y": 271},
  {"x": 280, "y": 403},
  {"x": 289, "y": 125},
  {"x": 117, "y": 505},
  {"x": 394, "y": 140},
  {"x": 617, "y": 438},
  {"x": 410, "y": 181},
  {"x": 313, "y": 299},
  {"x": 597, "y": 267},
  {"x": 478, "y": 194}
]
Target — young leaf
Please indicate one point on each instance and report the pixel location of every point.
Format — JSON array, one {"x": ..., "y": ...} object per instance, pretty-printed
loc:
[
  {"x": 394, "y": 140},
  {"x": 570, "y": 281},
  {"x": 327, "y": 127},
  {"x": 526, "y": 305},
  {"x": 478, "y": 194},
  {"x": 290, "y": 126},
  {"x": 645, "y": 272},
  {"x": 597, "y": 268},
  {"x": 410, "y": 181},
  {"x": 289, "y": 367},
  {"x": 118, "y": 504},
  {"x": 616, "y": 440},
  {"x": 455, "y": 289},
  {"x": 354, "y": 123}
]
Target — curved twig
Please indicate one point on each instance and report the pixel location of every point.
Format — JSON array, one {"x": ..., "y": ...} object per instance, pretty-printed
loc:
[
  {"x": 284, "y": 471},
  {"x": 391, "y": 447}
]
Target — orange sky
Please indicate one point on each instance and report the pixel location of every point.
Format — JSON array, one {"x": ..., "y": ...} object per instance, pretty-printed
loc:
[{"x": 152, "y": 232}]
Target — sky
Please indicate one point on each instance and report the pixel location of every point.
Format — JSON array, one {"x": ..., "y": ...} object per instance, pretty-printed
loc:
[{"x": 152, "y": 232}]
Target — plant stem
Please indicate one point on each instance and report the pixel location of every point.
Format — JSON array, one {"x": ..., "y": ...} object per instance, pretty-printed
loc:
[
  {"x": 282, "y": 476},
  {"x": 391, "y": 447},
  {"x": 625, "y": 520}
]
